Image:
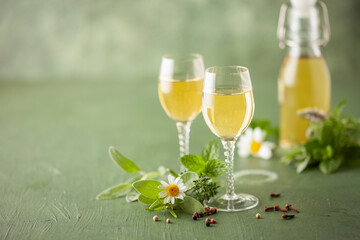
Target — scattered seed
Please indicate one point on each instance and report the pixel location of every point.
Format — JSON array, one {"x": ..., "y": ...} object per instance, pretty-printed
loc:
[
  {"x": 258, "y": 215},
  {"x": 168, "y": 220},
  {"x": 201, "y": 214},
  {"x": 155, "y": 218},
  {"x": 287, "y": 217},
  {"x": 207, "y": 223},
  {"x": 194, "y": 217},
  {"x": 274, "y": 195},
  {"x": 207, "y": 219},
  {"x": 267, "y": 209},
  {"x": 213, "y": 221},
  {"x": 289, "y": 207},
  {"x": 277, "y": 208}
]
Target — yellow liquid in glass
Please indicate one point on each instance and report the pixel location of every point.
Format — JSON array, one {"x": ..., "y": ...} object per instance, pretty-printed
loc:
[
  {"x": 303, "y": 83},
  {"x": 181, "y": 100},
  {"x": 228, "y": 112}
]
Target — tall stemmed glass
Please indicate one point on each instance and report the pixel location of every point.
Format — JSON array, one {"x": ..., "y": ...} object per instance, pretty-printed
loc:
[
  {"x": 228, "y": 108},
  {"x": 180, "y": 88}
]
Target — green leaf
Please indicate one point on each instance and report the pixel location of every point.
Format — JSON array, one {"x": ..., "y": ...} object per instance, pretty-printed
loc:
[
  {"x": 214, "y": 168},
  {"x": 115, "y": 191},
  {"x": 146, "y": 200},
  {"x": 132, "y": 196},
  {"x": 210, "y": 150},
  {"x": 188, "y": 179},
  {"x": 155, "y": 205},
  {"x": 302, "y": 166},
  {"x": 135, "y": 179},
  {"x": 150, "y": 175},
  {"x": 193, "y": 163},
  {"x": 330, "y": 165},
  {"x": 172, "y": 172},
  {"x": 165, "y": 171},
  {"x": 148, "y": 188},
  {"x": 173, "y": 213},
  {"x": 125, "y": 163},
  {"x": 191, "y": 205},
  {"x": 339, "y": 108}
]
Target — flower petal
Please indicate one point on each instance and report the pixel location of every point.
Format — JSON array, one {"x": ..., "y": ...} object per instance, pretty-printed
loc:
[
  {"x": 180, "y": 196},
  {"x": 165, "y": 184},
  {"x": 244, "y": 151},
  {"x": 162, "y": 194},
  {"x": 264, "y": 152},
  {"x": 171, "y": 179},
  {"x": 172, "y": 200},
  {"x": 167, "y": 199},
  {"x": 182, "y": 189},
  {"x": 248, "y": 132},
  {"x": 258, "y": 135}
]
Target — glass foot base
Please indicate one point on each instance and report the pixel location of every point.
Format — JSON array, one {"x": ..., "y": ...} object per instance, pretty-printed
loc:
[{"x": 240, "y": 202}]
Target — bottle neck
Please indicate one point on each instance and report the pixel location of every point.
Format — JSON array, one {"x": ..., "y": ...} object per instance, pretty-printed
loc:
[{"x": 304, "y": 51}]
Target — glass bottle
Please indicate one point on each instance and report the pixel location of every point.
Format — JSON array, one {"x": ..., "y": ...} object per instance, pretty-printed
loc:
[{"x": 304, "y": 78}]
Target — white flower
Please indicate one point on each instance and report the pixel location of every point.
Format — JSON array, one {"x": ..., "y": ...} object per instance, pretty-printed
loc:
[
  {"x": 252, "y": 142},
  {"x": 174, "y": 189}
]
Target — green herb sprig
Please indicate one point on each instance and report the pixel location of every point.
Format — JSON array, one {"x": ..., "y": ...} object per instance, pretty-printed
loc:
[
  {"x": 332, "y": 142},
  {"x": 144, "y": 186},
  {"x": 204, "y": 188},
  {"x": 206, "y": 163}
]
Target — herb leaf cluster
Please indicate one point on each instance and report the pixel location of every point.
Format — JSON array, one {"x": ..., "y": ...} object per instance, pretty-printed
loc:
[
  {"x": 144, "y": 186},
  {"x": 204, "y": 188},
  {"x": 331, "y": 143},
  {"x": 206, "y": 164}
]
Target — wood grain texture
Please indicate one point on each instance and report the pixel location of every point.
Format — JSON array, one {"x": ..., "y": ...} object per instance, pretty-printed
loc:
[{"x": 54, "y": 161}]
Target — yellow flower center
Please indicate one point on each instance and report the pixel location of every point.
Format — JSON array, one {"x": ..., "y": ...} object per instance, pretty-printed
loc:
[
  {"x": 172, "y": 190},
  {"x": 255, "y": 147}
]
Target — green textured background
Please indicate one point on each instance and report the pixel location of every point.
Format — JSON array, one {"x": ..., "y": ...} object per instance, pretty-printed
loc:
[
  {"x": 124, "y": 40},
  {"x": 78, "y": 76}
]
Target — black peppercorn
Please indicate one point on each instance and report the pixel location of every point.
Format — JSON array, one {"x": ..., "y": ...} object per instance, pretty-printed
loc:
[
  {"x": 194, "y": 217},
  {"x": 207, "y": 223}
]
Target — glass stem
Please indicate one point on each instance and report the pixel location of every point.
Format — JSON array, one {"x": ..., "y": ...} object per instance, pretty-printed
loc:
[
  {"x": 184, "y": 135},
  {"x": 229, "y": 147}
]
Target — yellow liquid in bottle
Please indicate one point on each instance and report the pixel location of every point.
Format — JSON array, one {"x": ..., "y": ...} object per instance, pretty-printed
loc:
[
  {"x": 228, "y": 112},
  {"x": 303, "y": 83},
  {"x": 181, "y": 100}
]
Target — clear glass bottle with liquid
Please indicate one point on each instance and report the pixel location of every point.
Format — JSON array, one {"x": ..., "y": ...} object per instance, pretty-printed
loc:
[{"x": 304, "y": 78}]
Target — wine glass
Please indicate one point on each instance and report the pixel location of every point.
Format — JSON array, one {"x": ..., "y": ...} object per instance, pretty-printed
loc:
[
  {"x": 228, "y": 108},
  {"x": 180, "y": 88}
]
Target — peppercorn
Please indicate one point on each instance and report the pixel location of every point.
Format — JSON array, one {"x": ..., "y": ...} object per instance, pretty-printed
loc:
[
  {"x": 207, "y": 209},
  {"x": 201, "y": 214},
  {"x": 258, "y": 215},
  {"x": 207, "y": 219},
  {"x": 168, "y": 220},
  {"x": 207, "y": 223},
  {"x": 213, "y": 221},
  {"x": 155, "y": 218},
  {"x": 196, "y": 214},
  {"x": 214, "y": 210},
  {"x": 194, "y": 217}
]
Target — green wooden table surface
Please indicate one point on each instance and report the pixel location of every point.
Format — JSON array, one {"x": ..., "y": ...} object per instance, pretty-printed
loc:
[{"x": 53, "y": 162}]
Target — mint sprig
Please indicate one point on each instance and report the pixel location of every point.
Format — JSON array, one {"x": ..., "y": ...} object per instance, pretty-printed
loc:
[
  {"x": 332, "y": 143},
  {"x": 206, "y": 164}
]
